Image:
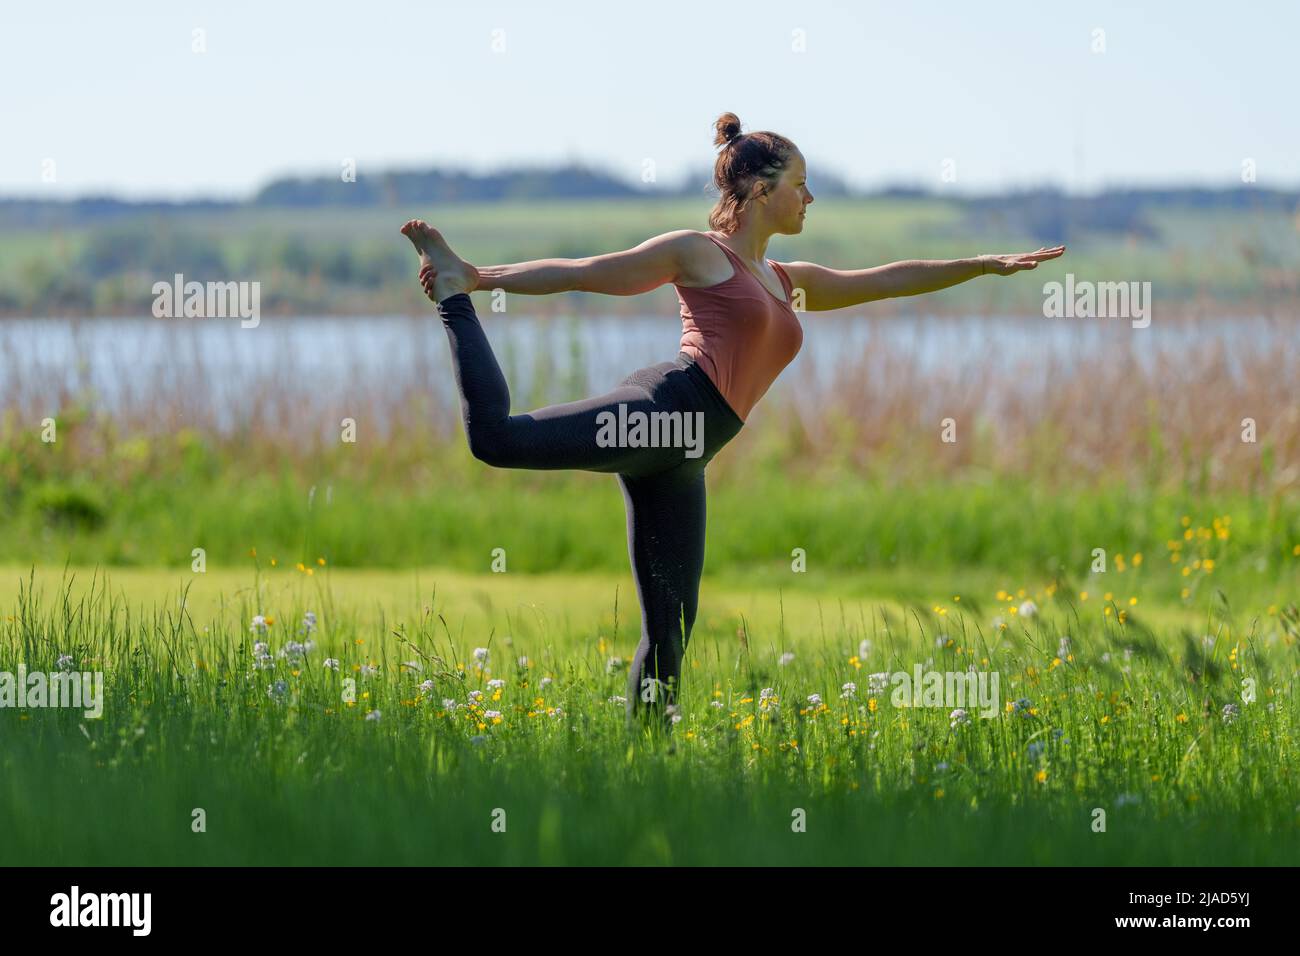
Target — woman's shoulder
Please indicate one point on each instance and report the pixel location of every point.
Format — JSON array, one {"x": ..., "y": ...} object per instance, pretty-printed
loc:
[{"x": 702, "y": 269}]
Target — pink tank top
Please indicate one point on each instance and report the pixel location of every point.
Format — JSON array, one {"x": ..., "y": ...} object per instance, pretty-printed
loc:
[{"x": 739, "y": 333}]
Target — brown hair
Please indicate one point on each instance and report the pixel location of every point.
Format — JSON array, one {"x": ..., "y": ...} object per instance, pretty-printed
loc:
[{"x": 745, "y": 159}]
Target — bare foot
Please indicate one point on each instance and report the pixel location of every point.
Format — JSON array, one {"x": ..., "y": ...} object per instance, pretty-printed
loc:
[{"x": 442, "y": 272}]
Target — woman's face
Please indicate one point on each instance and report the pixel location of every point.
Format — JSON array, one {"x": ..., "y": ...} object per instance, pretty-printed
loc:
[{"x": 786, "y": 203}]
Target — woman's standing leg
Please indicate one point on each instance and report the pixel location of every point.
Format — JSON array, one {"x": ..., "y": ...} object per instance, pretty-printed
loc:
[{"x": 665, "y": 534}]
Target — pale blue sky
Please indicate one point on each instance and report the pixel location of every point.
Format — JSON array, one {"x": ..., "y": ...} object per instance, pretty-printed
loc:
[{"x": 884, "y": 93}]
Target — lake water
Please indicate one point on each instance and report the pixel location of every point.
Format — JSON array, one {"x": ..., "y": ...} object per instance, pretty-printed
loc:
[{"x": 123, "y": 359}]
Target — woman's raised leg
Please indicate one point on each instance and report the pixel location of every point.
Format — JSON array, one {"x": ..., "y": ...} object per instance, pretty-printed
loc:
[{"x": 568, "y": 435}]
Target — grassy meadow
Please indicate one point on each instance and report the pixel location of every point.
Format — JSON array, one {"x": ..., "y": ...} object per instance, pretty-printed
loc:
[{"x": 481, "y": 694}]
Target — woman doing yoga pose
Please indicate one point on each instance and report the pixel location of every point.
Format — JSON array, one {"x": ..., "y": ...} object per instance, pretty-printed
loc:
[{"x": 740, "y": 328}]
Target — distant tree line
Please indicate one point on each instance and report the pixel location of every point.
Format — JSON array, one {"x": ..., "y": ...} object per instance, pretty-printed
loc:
[{"x": 1049, "y": 213}]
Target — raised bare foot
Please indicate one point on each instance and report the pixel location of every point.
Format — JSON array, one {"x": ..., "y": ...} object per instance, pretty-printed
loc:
[{"x": 442, "y": 272}]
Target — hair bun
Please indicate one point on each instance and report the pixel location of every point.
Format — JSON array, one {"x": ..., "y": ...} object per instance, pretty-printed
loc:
[{"x": 727, "y": 129}]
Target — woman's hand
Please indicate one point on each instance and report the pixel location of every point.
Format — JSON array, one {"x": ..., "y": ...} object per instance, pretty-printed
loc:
[{"x": 1008, "y": 264}]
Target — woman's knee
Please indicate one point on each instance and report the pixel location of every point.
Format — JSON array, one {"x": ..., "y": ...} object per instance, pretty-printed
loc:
[{"x": 490, "y": 445}]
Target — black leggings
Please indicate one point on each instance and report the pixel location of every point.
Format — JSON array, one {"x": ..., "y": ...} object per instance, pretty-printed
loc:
[{"x": 663, "y": 487}]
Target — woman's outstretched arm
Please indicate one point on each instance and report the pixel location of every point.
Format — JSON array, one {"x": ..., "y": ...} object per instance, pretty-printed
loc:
[
  {"x": 651, "y": 264},
  {"x": 826, "y": 289}
]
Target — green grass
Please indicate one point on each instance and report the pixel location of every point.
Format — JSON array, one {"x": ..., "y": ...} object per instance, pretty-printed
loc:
[
  {"x": 846, "y": 523},
  {"x": 1133, "y": 725}
]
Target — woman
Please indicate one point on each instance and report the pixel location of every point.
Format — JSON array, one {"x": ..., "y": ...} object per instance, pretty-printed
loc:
[{"x": 739, "y": 330}]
